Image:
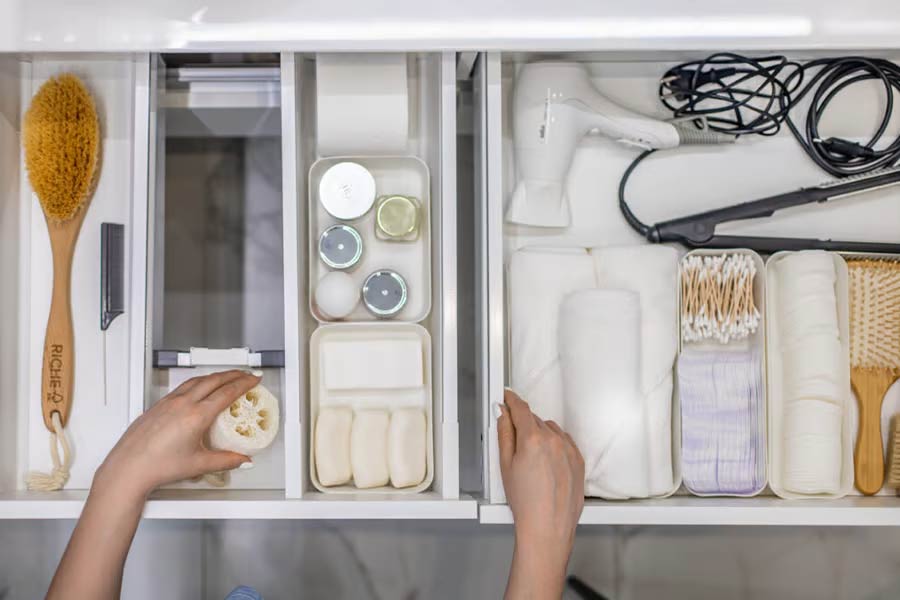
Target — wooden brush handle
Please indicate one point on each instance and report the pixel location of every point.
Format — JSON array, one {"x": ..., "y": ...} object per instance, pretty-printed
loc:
[
  {"x": 870, "y": 386},
  {"x": 58, "y": 373}
]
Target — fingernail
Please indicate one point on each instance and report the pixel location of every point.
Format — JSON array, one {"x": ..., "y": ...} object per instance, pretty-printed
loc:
[
  {"x": 498, "y": 410},
  {"x": 256, "y": 373},
  {"x": 246, "y": 465}
]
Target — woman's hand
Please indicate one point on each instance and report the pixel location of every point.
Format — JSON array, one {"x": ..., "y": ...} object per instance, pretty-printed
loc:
[
  {"x": 165, "y": 444},
  {"x": 543, "y": 474}
]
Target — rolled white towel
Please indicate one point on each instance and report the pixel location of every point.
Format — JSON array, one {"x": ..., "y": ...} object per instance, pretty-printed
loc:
[
  {"x": 604, "y": 410},
  {"x": 537, "y": 282},
  {"x": 652, "y": 272}
]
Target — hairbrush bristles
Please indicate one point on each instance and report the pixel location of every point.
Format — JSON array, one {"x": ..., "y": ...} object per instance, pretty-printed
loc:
[
  {"x": 62, "y": 146},
  {"x": 874, "y": 313},
  {"x": 893, "y": 466}
]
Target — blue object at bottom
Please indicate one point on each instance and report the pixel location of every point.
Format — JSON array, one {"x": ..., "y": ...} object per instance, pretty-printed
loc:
[{"x": 244, "y": 593}]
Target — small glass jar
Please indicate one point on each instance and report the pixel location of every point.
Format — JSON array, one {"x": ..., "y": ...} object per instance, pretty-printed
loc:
[
  {"x": 384, "y": 293},
  {"x": 397, "y": 218},
  {"x": 340, "y": 247}
]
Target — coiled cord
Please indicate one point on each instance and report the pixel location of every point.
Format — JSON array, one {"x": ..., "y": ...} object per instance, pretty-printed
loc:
[{"x": 740, "y": 95}]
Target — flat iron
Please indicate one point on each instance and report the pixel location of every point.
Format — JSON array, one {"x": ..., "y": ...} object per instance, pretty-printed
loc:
[{"x": 699, "y": 230}]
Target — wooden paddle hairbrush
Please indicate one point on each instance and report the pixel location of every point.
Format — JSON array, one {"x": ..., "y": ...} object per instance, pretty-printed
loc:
[{"x": 874, "y": 358}]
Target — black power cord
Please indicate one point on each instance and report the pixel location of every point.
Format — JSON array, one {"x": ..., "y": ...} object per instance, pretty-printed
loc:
[{"x": 741, "y": 95}]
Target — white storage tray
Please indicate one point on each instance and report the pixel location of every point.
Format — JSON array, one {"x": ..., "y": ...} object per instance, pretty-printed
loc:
[
  {"x": 319, "y": 396},
  {"x": 776, "y": 381},
  {"x": 757, "y": 342},
  {"x": 676, "y": 405},
  {"x": 394, "y": 175}
]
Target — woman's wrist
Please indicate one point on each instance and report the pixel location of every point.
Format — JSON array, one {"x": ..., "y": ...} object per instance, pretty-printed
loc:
[
  {"x": 108, "y": 480},
  {"x": 541, "y": 566}
]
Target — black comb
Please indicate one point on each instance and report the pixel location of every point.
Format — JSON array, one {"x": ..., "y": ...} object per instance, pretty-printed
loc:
[{"x": 112, "y": 272}]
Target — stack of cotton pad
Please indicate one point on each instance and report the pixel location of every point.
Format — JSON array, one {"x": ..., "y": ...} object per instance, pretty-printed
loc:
[
  {"x": 722, "y": 443},
  {"x": 812, "y": 361}
]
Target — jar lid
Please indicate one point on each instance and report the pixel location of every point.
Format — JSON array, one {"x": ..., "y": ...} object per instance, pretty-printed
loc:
[
  {"x": 397, "y": 216},
  {"x": 347, "y": 191},
  {"x": 384, "y": 293},
  {"x": 340, "y": 246}
]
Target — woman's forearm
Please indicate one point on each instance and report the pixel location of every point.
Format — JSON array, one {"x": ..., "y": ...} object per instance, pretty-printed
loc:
[
  {"x": 537, "y": 572},
  {"x": 92, "y": 564}
]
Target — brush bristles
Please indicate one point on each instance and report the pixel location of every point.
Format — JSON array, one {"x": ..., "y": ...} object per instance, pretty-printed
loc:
[
  {"x": 893, "y": 463},
  {"x": 875, "y": 314},
  {"x": 62, "y": 146}
]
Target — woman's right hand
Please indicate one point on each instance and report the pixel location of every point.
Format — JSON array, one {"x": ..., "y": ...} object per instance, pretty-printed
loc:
[{"x": 543, "y": 474}]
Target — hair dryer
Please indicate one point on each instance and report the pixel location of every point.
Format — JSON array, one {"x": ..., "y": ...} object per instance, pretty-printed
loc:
[{"x": 555, "y": 105}]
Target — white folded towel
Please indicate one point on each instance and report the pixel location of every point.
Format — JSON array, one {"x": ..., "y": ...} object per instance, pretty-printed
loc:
[
  {"x": 537, "y": 282},
  {"x": 604, "y": 409},
  {"x": 652, "y": 272}
]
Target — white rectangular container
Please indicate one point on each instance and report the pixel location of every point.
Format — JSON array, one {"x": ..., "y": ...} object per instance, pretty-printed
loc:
[
  {"x": 366, "y": 399},
  {"x": 394, "y": 175},
  {"x": 756, "y": 341},
  {"x": 776, "y": 381}
]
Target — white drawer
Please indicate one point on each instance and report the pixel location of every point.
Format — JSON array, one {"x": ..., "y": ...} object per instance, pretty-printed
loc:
[
  {"x": 675, "y": 183},
  {"x": 261, "y": 303}
]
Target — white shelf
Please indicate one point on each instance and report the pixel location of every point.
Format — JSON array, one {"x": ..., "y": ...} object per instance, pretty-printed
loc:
[
  {"x": 686, "y": 510},
  {"x": 246, "y": 504},
  {"x": 279, "y": 25}
]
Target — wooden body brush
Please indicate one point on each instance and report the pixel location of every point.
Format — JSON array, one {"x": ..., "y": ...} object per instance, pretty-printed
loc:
[
  {"x": 61, "y": 137},
  {"x": 874, "y": 358}
]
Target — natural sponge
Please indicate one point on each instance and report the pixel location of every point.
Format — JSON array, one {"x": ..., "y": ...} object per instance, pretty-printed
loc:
[
  {"x": 249, "y": 425},
  {"x": 62, "y": 146}
]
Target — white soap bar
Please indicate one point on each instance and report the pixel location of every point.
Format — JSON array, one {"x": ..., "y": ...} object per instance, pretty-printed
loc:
[
  {"x": 407, "y": 447},
  {"x": 372, "y": 364},
  {"x": 333, "y": 445},
  {"x": 368, "y": 448}
]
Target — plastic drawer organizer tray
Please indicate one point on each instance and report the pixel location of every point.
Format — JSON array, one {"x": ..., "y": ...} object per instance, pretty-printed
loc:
[
  {"x": 205, "y": 164},
  {"x": 245, "y": 126}
]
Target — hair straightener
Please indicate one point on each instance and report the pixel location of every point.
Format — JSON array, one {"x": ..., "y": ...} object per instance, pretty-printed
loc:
[{"x": 699, "y": 230}]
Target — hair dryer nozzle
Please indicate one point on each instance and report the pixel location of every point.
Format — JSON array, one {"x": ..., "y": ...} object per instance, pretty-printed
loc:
[{"x": 688, "y": 133}]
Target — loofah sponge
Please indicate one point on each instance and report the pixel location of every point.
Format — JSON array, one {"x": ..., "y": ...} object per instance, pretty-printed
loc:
[{"x": 62, "y": 146}]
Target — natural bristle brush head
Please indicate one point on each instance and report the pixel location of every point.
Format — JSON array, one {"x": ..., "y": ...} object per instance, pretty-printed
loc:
[
  {"x": 874, "y": 314},
  {"x": 62, "y": 146}
]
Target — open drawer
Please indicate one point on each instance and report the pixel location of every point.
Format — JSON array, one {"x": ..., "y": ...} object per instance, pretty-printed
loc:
[
  {"x": 205, "y": 161},
  {"x": 670, "y": 184},
  {"x": 108, "y": 365}
]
